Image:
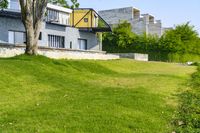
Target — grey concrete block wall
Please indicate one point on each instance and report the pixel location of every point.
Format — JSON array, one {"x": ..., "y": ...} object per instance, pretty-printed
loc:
[
  {"x": 139, "y": 27},
  {"x": 71, "y": 34},
  {"x": 114, "y": 16},
  {"x": 155, "y": 29},
  {"x": 144, "y": 23}
]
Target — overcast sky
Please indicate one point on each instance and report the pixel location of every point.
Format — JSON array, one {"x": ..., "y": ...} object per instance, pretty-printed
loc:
[{"x": 171, "y": 12}]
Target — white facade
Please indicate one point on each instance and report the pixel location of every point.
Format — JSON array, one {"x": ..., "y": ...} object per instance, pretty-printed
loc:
[{"x": 13, "y": 5}]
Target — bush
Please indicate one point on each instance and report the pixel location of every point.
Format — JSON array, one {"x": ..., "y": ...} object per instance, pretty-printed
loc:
[
  {"x": 188, "y": 117},
  {"x": 181, "y": 44}
]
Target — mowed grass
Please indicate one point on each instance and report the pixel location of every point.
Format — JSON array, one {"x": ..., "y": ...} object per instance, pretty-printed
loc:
[{"x": 38, "y": 94}]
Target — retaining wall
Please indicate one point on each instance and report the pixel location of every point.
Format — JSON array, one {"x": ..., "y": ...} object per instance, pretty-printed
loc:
[
  {"x": 7, "y": 50},
  {"x": 135, "y": 56}
]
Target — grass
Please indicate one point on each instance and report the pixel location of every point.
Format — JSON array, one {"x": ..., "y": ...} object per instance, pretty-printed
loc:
[{"x": 38, "y": 94}]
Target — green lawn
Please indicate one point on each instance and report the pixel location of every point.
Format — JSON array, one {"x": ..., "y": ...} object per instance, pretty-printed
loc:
[{"x": 38, "y": 94}]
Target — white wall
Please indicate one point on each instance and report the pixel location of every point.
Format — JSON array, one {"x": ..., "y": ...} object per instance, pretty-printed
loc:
[{"x": 10, "y": 51}]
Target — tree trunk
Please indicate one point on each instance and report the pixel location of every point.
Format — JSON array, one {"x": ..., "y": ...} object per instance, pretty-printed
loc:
[
  {"x": 29, "y": 40},
  {"x": 32, "y": 12},
  {"x": 32, "y": 35}
]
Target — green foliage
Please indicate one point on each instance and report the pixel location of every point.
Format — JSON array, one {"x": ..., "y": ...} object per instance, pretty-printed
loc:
[
  {"x": 121, "y": 36},
  {"x": 62, "y": 3},
  {"x": 84, "y": 96},
  {"x": 189, "y": 111},
  {"x": 75, "y": 4},
  {"x": 183, "y": 40},
  {"x": 3, "y": 4}
]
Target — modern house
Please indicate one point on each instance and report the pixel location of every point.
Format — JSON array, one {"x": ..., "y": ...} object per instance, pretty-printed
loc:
[
  {"x": 141, "y": 23},
  {"x": 62, "y": 28}
]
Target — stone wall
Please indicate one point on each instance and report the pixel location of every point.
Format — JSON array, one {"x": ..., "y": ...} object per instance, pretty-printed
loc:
[{"x": 13, "y": 50}]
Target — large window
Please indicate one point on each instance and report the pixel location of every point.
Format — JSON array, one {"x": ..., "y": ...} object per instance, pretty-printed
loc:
[
  {"x": 82, "y": 44},
  {"x": 52, "y": 15},
  {"x": 16, "y": 37},
  {"x": 58, "y": 17},
  {"x": 56, "y": 41}
]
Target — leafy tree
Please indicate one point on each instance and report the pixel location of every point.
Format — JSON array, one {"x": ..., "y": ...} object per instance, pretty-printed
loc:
[
  {"x": 182, "y": 39},
  {"x": 75, "y": 4},
  {"x": 62, "y": 3},
  {"x": 32, "y": 12},
  {"x": 179, "y": 44},
  {"x": 123, "y": 34},
  {"x": 3, "y": 4}
]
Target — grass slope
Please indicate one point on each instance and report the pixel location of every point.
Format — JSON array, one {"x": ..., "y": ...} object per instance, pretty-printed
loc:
[{"x": 38, "y": 94}]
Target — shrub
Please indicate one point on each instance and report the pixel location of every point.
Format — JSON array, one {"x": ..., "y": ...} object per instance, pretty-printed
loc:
[
  {"x": 188, "y": 116},
  {"x": 181, "y": 44}
]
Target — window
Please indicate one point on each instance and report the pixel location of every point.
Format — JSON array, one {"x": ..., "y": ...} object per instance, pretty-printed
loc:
[
  {"x": 56, "y": 41},
  {"x": 16, "y": 37},
  {"x": 64, "y": 18},
  {"x": 11, "y": 37},
  {"x": 82, "y": 44},
  {"x": 58, "y": 17},
  {"x": 86, "y": 20},
  {"x": 40, "y": 36},
  {"x": 13, "y": 4},
  {"x": 52, "y": 15},
  {"x": 70, "y": 45}
]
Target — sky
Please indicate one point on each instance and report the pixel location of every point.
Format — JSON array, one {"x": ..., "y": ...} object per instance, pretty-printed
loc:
[{"x": 170, "y": 12}]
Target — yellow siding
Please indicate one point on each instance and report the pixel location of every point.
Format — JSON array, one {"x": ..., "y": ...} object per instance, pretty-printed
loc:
[{"x": 79, "y": 14}]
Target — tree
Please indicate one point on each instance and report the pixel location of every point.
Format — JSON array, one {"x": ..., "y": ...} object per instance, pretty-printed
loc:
[
  {"x": 75, "y": 4},
  {"x": 3, "y": 4},
  {"x": 32, "y": 12},
  {"x": 62, "y": 3},
  {"x": 182, "y": 39}
]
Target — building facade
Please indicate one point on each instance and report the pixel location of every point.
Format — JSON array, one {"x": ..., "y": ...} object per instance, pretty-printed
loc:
[
  {"x": 58, "y": 29},
  {"x": 141, "y": 23}
]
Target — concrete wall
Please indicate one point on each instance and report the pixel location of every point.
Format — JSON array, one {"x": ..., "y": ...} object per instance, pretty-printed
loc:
[
  {"x": 71, "y": 34},
  {"x": 155, "y": 28},
  {"x": 7, "y": 50},
  {"x": 139, "y": 26},
  {"x": 114, "y": 16},
  {"x": 144, "y": 23},
  {"x": 135, "y": 56}
]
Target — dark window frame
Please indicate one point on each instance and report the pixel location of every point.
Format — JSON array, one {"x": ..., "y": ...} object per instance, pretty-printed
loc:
[
  {"x": 70, "y": 45},
  {"x": 86, "y": 20},
  {"x": 56, "y": 41}
]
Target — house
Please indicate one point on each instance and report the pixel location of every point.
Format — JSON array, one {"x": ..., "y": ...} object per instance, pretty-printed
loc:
[
  {"x": 141, "y": 23},
  {"x": 62, "y": 28}
]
